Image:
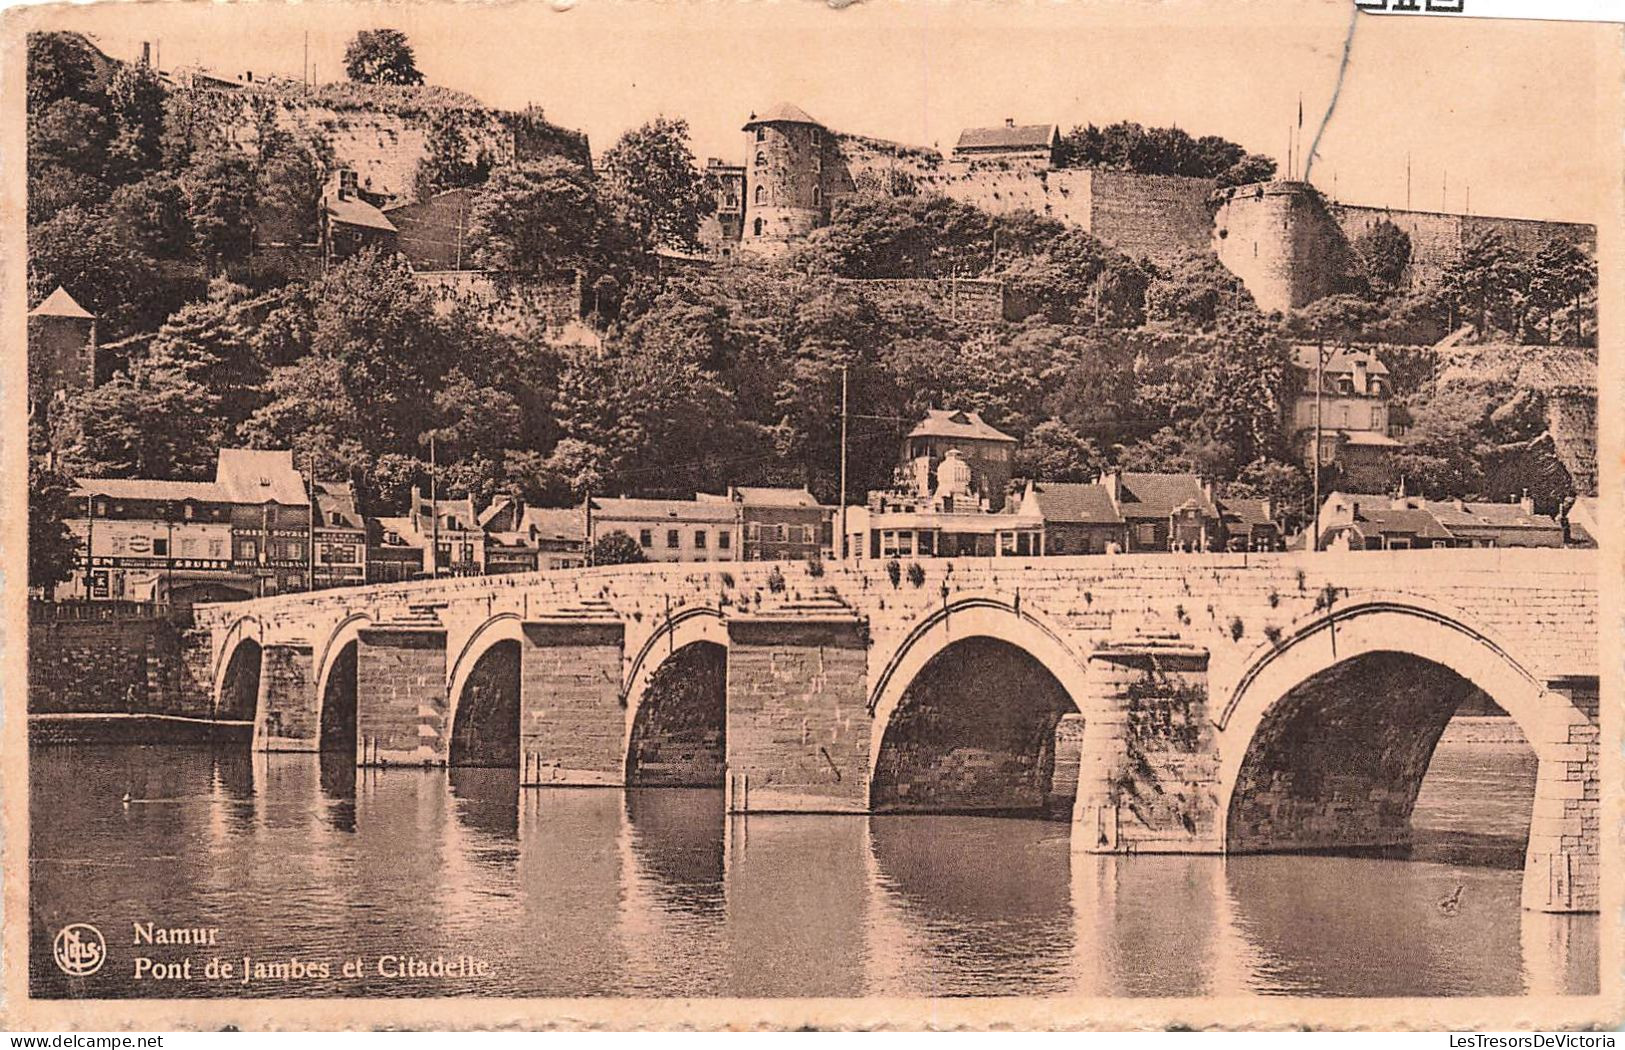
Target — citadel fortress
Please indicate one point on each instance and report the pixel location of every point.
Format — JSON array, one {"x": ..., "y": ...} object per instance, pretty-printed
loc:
[{"x": 1285, "y": 240}]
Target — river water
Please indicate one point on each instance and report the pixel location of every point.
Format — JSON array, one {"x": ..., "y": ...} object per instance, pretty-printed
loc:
[{"x": 564, "y": 892}]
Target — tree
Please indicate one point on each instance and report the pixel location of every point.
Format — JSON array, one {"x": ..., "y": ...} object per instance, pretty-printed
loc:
[
  {"x": 536, "y": 217},
  {"x": 152, "y": 215},
  {"x": 288, "y": 191},
  {"x": 52, "y": 549},
  {"x": 445, "y": 164},
  {"x": 665, "y": 192},
  {"x": 150, "y": 426},
  {"x": 135, "y": 98},
  {"x": 1254, "y": 167},
  {"x": 1385, "y": 251},
  {"x": 210, "y": 344},
  {"x": 89, "y": 256},
  {"x": 221, "y": 194},
  {"x": 617, "y": 548},
  {"x": 1563, "y": 280},
  {"x": 1490, "y": 279},
  {"x": 381, "y": 56},
  {"x": 1054, "y": 451},
  {"x": 1195, "y": 292},
  {"x": 59, "y": 66}
]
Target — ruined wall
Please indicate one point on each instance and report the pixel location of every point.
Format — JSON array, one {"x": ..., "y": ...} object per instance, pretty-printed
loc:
[{"x": 379, "y": 132}]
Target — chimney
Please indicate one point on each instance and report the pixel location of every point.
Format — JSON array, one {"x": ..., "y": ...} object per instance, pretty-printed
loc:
[
  {"x": 1362, "y": 382},
  {"x": 146, "y": 53},
  {"x": 1009, "y": 122},
  {"x": 1527, "y": 503},
  {"x": 1112, "y": 481}
]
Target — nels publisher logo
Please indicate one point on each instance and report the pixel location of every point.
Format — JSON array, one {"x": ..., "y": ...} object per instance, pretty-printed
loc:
[{"x": 79, "y": 949}]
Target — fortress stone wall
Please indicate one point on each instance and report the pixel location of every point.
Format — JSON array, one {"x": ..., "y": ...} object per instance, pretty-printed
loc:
[
  {"x": 959, "y": 299},
  {"x": 381, "y": 141}
]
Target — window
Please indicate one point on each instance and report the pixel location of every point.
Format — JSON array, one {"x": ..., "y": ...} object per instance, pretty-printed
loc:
[
  {"x": 761, "y": 158},
  {"x": 699, "y": 539},
  {"x": 761, "y": 133},
  {"x": 818, "y": 164},
  {"x": 753, "y": 530},
  {"x": 646, "y": 538},
  {"x": 1376, "y": 419},
  {"x": 1145, "y": 535},
  {"x": 160, "y": 548},
  {"x": 189, "y": 511},
  {"x": 760, "y": 226},
  {"x": 724, "y": 540},
  {"x": 817, "y": 137},
  {"x": 101, "y": 507},
  {"x": 248, "y": 550},
  {"x": 761, "y": 198},
  {"x": 468, "y": 552},
  {"x": 818, "y": 197},
  {"x": 808, "y": 535},
  {"x": 671, "y": 539}
]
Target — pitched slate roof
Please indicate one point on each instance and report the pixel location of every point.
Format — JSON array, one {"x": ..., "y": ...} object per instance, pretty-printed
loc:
[
  {"x": 763, "y": 496},
  {"x": 356, "y": 212},
  {"x": 1486, "y": 515},
  {"x": 781, "y": 113},
  {"x": 1007, "y": 136},
  {"x": 150, "y": 489},
  {"x": 1249, "y": 512},
  {"x": 1071, "y": 502},
  {"x": 942, "y": 422},
  {"x": 555, "y": 523},
  {"x": 1339, "y": 360},
  {"x": 260, "y": 476},
  {"x": 60, "y": 304},
  {"x": 335, "y": 500},
  {"x": 1159, "y": 495},
  {"x": 622, "y": 509}
]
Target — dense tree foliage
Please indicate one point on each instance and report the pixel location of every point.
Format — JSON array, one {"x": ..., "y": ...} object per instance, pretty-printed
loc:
[
  {"x": 1127, "y": 146},
  {"x": 665, "y": 195},
  {"x": 381, "y": 56}
]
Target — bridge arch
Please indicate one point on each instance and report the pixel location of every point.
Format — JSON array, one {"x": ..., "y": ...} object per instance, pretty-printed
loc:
[
  {"x": 1388, "y": 647},
  {"x": 675, "y": 695},
  {"x": 232, "y": 665},
  {"x": 498, "y": 640},
  {"x": 336, "y": 683},
  {"x": 977, "y": 628}
]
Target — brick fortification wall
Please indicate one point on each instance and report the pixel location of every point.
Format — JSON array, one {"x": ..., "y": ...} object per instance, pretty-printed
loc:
[
  {"x": 1155, "y": 216},
  {"x": 380, "y": 133},
  {"x": 124, "y": 666}
]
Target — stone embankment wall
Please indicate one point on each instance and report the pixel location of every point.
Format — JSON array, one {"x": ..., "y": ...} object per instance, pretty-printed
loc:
[
  {"x": 510, "y": 303},
  {"x": 127, "y": 666}
]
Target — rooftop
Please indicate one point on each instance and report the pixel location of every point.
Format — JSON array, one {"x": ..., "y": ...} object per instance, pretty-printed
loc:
[
  {"x": 781, "y": 113},
  {"x": 1010, "y": 135},
  {"x": 60, "y": 304},
  {"x": 1075, "y": 502},
  {"x": 1159, "y": 495},
  {"x": 624, "y": 509},
  {"x": 1339, "y": 360},
  {"x": 941, "y": 422},
  {"x": 353, "y": 211},
  {"x": 150, "y": 489},
  {"x": 762, "y": 496},
  {"x": 247, "y": 475}
]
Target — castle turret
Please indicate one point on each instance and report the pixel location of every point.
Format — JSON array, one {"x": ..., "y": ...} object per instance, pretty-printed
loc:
[
  {"x": 1279, "y": 238},
  {"x": 61, "y": 347},
  {"x": 789, "y": 176}
]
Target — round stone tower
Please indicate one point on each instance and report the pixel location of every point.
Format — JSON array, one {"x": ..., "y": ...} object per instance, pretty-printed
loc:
[
  {"x": 789, "y": 171},
  {"x": 1280, "y": 240}
]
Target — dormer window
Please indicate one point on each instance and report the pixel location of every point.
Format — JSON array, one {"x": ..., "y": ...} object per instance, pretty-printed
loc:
[
  {"x": 761, "y": 158},
  {"x": 761, "y": 135}
]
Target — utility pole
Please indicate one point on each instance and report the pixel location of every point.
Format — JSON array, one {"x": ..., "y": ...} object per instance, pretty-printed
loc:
[
  {"x": 304, "y": 66},
  {"x": 310, "y": 544},
  {"x": 1320, "y": 375},
  {"x": 90, "y": 545},
  {"x": 842, "y": 547},
  {"x": 1407, "y": 182},
  {"x": 169, "y": 553},
  {"x": 434, "y": 502}
]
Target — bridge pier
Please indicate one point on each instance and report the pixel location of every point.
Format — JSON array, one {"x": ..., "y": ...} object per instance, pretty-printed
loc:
[
  {"x": 401, "y": 702},
  {"x": 572, "y": 718},
  {"x": 1148, "y": 775},
  {"x": 287, "y": 715},
  {"x": 1561, "y": 871},
  {"x": 798, "y": 722}
]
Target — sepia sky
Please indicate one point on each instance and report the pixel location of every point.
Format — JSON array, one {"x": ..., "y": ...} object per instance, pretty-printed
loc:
[{"x": 1507, "y": 111}]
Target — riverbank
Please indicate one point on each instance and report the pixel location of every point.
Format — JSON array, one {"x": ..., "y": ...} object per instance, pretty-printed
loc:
[{"x": 1499, "y": 730}]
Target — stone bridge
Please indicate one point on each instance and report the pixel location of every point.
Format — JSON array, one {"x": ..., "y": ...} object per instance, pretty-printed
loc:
[{"x": 1178, "y": 703}]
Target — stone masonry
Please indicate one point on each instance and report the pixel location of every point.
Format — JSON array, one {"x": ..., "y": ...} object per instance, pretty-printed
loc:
[
  {"x": 1224, "y": 702},
  {"x": 288, "y": 717}
]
